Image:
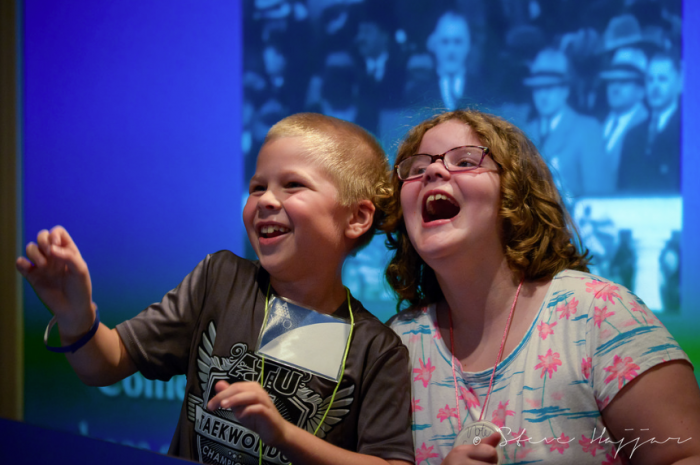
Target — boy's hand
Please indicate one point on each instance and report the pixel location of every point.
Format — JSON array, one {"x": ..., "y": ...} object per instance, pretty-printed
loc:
[
  {"x": 253, "y": 408},
  {"x": 473, "y": 455},
  {"x": 60, "y": 277}
]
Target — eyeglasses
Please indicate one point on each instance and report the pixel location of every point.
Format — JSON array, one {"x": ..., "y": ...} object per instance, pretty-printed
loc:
[{"x": 464, "y": 158}]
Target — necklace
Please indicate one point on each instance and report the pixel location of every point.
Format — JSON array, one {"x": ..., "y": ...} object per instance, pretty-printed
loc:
[
  {"x": 342, "y": 367},
  {"x": 476, "y": 431}
]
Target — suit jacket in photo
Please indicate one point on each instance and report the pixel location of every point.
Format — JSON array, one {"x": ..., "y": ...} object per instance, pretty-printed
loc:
[
  {"x": 652, "y": 168},
  {"x": 574, "y": 152},
  {"x": 607, "y": 181},
  {"x": 387, "y": 91},
  {"x": 427, "y": 95}
]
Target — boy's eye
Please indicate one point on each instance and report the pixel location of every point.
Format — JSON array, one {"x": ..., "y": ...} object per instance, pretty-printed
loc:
[
  {"x": 294, "y": 185},
  {"x": 256, "y": 188}
]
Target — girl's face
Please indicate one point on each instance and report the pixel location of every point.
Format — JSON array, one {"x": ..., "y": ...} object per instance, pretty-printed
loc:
[{"x": 452, "y": 213}]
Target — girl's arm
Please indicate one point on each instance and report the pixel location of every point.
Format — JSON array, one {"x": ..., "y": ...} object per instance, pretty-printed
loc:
[{"x": 657, "y": 416}]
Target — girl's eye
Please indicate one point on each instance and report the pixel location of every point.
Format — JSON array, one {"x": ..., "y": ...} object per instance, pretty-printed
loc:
[
  {"x": 417, "y": 170},
  {"x": 465, "y": 163}
]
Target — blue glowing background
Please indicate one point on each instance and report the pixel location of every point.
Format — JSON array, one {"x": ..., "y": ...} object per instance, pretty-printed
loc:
[{"x": 132, "y": 140}]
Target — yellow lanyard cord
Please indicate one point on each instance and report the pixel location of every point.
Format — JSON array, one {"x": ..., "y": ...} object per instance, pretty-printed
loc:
[{"x": 342, "y": 367}]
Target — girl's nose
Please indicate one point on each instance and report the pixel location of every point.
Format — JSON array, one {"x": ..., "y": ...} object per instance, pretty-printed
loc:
[{"x": 436, "y": 170}]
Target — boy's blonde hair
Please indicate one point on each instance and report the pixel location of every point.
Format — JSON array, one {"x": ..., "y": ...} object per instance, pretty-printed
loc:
[{"x": 352, "y": 157}]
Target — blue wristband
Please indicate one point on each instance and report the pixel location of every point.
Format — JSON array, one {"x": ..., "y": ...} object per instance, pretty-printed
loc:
[{"x": 77, "y": 344}]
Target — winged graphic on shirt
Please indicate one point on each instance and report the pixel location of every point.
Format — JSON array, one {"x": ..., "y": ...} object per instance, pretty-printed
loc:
[
  {"x": 343, "y": 398},
  {"x": 303, "y": 405},
  {"x": 206, "y": 360}
]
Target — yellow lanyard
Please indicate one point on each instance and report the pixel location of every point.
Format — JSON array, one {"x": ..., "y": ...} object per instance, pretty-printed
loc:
[{"x": 342, "y": 367}]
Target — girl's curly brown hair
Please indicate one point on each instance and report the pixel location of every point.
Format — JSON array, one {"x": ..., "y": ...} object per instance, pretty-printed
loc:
[{"x": 539, "y": 237}]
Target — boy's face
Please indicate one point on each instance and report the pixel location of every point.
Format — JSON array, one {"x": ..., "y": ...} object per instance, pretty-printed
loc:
[{"x": 293, "y": 218}]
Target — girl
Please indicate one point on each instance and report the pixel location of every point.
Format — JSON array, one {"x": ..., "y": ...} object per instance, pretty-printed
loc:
[{"x": 506, "y": 330}]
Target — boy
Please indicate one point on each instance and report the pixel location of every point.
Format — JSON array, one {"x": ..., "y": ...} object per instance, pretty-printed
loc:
[{"x": 311, "y": 204}]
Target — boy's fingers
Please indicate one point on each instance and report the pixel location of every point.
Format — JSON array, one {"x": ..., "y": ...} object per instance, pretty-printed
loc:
[
  {"x": 24, "y": 266},
  {"x": 221, "y": 385},
  {"x": 42, "y": 240},
  {"x": 221, "y": 389},
  {"x": 237, "y": 395},
  {"x": 35, "y": 255},
  {"x": 241, "y": 399},
  {"x": 224, "y": 391},
  {"x": 60, "y": 237},
  {"x": 68, "y": 256}
]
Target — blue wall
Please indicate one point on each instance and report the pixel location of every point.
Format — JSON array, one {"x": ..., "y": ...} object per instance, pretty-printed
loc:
[{"x": 132, "y": 142}]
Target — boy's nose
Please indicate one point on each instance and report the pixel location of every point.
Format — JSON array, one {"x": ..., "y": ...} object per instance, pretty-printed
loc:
[{"x": 269, "y": 201}]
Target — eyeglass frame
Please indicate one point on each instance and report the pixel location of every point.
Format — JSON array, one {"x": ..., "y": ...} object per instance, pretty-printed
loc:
[{"x": 433, "y": 158}]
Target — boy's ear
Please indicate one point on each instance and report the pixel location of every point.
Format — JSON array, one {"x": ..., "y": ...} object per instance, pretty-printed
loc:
[{"x": 360, "y": 220}]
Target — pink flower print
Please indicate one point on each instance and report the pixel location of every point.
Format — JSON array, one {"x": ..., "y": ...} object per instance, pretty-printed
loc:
[
  {"x": 602, "y": 403},
  {"x": 590, "y": 445},
  {"x": 545, "y": 329},
  {"x": 437, "y": 335},
  {"x": 628, "y": 323},
  {"x": 638, "y": 308},
  {"x": 612, "y": 458},
  {"x": 522, "y": 452},
  {"x": 601, "y": 315},
  {"x": 414, "y": 405},
  {"x": 447, "y": 412},
  {"x": 425, "y": 453},
  {"x": 534, "y": 403},
  {"x": 500, "y": 414},
  {"x": 519, "y": 438},
  {"x": 586, "y": 366},
  {"x": 622, "y": 369},
  {"x": 471, "y": 398},
  {"x": 424, "y": 373},
  {"x": 604, "y": 334},
  {"x": 603, "y": 290},
  {"x": 558, "y": 395},
  {"x": 549, "y": 363},
  {"x": 559, "y": 444},
  {"x": 414, "y": 338},
  {"x": 567, "y": 309}
]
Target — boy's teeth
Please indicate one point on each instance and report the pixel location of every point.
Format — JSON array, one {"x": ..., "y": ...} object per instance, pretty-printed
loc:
[{"x": 272, "y": 229}]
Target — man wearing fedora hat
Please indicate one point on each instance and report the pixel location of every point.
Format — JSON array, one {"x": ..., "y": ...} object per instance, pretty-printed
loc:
[
  {"x": 570, "y": 142},
  {"x": 624, "y": 80}
]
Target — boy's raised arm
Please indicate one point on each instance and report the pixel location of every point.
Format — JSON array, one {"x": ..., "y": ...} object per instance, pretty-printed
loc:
[{"x": 60, "y": 277}]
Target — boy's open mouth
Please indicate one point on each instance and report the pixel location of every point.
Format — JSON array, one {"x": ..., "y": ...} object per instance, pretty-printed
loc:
[
  {"x": 273, "y": 231},
  {"x": 439, "y": 206}
]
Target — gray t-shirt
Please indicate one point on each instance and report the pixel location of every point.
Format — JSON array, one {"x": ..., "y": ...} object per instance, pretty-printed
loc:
[{"x": 208, "y": 327}]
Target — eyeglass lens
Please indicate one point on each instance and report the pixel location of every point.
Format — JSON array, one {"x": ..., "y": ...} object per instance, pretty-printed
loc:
[{"x": 457, "y": 159}]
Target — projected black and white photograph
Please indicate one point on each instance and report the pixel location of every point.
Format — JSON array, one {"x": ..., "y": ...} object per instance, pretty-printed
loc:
[{"x": 596, "y": 86}]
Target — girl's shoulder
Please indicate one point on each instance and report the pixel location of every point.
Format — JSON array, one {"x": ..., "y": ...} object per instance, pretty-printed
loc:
[{"x": 409, "y": 316}]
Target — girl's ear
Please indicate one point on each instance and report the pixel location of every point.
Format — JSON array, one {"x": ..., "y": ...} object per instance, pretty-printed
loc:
[{"x": 361, "y": 218}]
